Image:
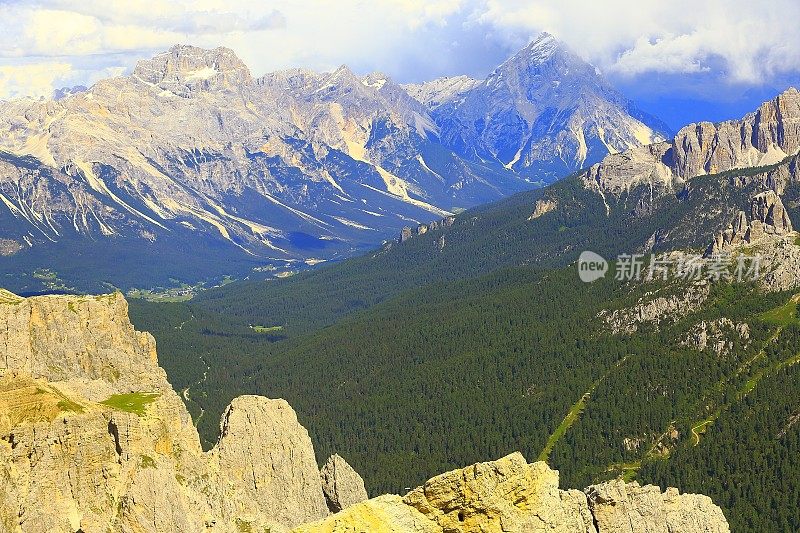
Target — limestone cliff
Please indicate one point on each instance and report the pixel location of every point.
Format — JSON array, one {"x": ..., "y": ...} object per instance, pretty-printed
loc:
[
  {"x": 763, "y": 137},
  {"x": 93, "y": 438}
]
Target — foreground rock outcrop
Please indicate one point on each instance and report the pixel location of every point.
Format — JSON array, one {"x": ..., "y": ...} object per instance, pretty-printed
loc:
[
  {"x": 509, "y": 495},
  {"x": 269, "y": 454},
  {"x": 94, "y": 439},
  {"x": 620, "y": 507},
  {"x": 341, "y": 484}
]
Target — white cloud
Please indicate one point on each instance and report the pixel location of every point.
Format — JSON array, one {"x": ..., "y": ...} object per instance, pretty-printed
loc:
[
  {"x": 753, "y": 40},
  {"x": 670, "y": 53},
  {"x": 419, "y": 12},
  {"x": 32, "y": 80},
  {"x": 410, "y": 39}
]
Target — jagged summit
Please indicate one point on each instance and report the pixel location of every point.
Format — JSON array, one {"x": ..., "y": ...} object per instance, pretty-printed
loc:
[
  {"x": 440, "y": 91},
  {"x": 772, "y": 132},
  {"x": 342, "y": 72},
  {"x": 186, "y": 68},
  {"x": 65, "y": 92},
  {"x": 543, "y": 113},
  {"x": 541, "y": 49},
  {"x": 547, "y": 66},
  {"x": 376, "y": 80}
]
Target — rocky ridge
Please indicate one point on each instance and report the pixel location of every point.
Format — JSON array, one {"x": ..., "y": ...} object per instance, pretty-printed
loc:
[
  {"x": 768, "y": 235},
  {"x": 292, "y": 165},
  {"x": 192, "y": 144},
  {"x": 441, "y": 91},
  {"x": 512, "y": 496},
  {"x": 654, "y": 307},
  {"x": 768, "y": 217},
  {"x": 90, "y": 426},
  {"x": 764, "y": 137},
  {"x": 717, "y": 335},
  {"x": 408, "y": 232}
]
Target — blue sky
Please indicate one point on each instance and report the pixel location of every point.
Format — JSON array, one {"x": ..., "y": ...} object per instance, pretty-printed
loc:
[{"x": 681, "y": 60}]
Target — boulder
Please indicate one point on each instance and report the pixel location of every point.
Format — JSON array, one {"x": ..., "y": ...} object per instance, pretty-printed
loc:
[
  {"x": 620, "y": 507},
  {"x": 341, "y": 484}
]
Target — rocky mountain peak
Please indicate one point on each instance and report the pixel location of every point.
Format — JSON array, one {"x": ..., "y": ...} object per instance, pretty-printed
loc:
[
  {"x": 376, "y": 80},
  {"x": 93, "y": 437},
  {"x": 184, "y": 69},
  {"x": 543, "y": 113},
  {"x": 339, "y": 85},
  {"x": 342, "y": 74},
  {"x": 763, "y": 137},
  {"x": 546, "y": 55},
  {"x": 542, "y": 48},
  {"x": 44, "y": 335}
]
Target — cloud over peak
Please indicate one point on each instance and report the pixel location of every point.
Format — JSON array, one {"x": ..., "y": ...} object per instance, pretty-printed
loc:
[{"x": 733, "y": 41}]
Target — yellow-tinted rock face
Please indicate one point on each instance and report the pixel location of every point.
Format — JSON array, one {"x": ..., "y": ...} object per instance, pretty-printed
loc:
[
  {"x": 93, "y": 437},
  {"x": 384, "y": 514},
  {"x": 24, "y": 399},
  {"x": 61, "y": 338},
  {"x": 511, "y": 496},
  {"x": 503, "y": 495}
]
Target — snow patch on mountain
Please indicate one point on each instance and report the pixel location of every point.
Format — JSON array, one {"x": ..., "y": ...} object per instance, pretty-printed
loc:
[
  {"x": 440, "y": 91},
  {"x": 191, "y": 142}
]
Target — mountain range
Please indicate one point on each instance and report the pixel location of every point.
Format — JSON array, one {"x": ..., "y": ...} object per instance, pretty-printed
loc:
[{"x": 191, "y": 168}]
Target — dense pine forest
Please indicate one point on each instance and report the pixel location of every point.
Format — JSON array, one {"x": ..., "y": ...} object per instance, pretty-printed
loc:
[{"x": 464, "y": 371}]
